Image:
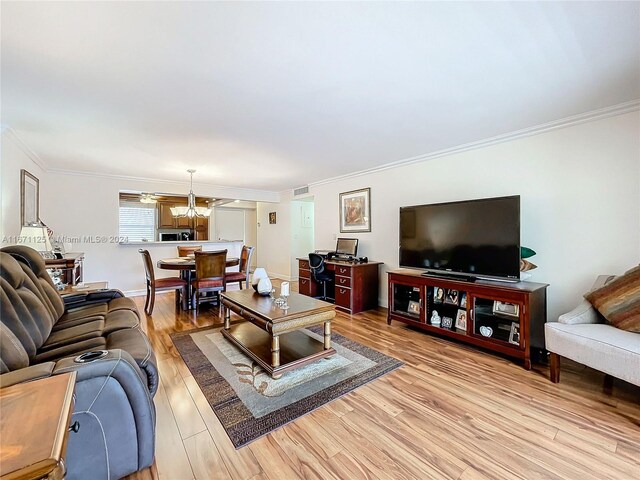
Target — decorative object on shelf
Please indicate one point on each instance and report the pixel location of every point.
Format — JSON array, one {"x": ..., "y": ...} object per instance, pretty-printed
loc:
[
  {"x": 29, "y": 198},
  {"x": 525, "y": 265},
  {"x": 284, "y": 289},
  {"x": 461, "y": 319},
  {"x": 261, "y": 282},
  {"x": 413, "y": 307},
  {"x": 190, "y": 211},
  {"x": 506, "y": 309},
  {"x": 452, "y": 297},
  {"x": 463, "y": 300},
  {"x": 435, "y": 319},
  {"x": 514, "y": 334},
  {"x": 56, "y": 277},
  {"x": 355, "y": 211},
  {"x": 272, "y": 218},
  {"x": 438, "y": 295},
  {"x": 486, "y": 331},
  {"x": 447, "y": 322}
]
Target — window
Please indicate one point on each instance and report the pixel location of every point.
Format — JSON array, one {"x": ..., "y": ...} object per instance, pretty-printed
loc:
[{"x": 137, "y": 221}]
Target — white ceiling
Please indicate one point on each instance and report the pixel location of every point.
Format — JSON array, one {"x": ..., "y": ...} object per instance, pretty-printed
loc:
[{"x": 276, "y": 95}]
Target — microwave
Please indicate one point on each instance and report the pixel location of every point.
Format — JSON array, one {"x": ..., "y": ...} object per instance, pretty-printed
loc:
[{"x": 169, "y": 237}]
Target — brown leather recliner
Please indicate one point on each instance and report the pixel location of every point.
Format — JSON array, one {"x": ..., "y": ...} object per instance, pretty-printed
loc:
[{"x": 43, "y": 334}]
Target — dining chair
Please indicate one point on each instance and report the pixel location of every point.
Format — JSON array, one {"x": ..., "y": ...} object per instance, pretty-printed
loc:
[
  {"x": 185, "y": 251},
  {"x": 161, "y": 285},
  {"x": 210, "y": 277},
  {"x": 245, "y": 266}
]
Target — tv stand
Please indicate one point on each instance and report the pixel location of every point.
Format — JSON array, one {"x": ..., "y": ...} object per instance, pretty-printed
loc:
[
  {"x": 507, "y": 318},
  {"x": 450, "y": 276}
]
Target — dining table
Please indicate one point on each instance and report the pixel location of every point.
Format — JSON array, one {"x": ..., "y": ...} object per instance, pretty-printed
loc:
[{"x": 187, "y": 266}]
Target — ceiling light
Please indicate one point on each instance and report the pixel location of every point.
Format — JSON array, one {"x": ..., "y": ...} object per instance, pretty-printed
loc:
[
  {"x": 147, "y": 198},
  {"x": 191, "y": 210}
]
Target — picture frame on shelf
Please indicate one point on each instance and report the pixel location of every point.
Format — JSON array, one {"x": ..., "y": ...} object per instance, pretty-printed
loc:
[
  {"x": 452, "y": 297},
  {"x": 355, "y": 211},
  {"x": 463, "y": 300},
  {"x": 514, "y": 334},
  {"x": 29, "y": 198},
  {"x": 447, "y": 322},
  {"x": 438, "y": 295},
  {"x": 461, "y": 320},
  {"x": 413, "y": 307},
  {"x": 506, "y": 309}
]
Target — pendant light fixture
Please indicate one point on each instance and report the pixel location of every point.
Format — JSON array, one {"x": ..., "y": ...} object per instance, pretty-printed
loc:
[{"x": 191, "y": 210}]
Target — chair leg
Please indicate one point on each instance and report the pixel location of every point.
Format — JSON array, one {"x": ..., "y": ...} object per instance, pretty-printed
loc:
[
  {"x": 152, "y": 299},
  {"x": 185, "y": 298},
  {"x": 146, "y": 301},
  {"x": 554, "y": 364}
]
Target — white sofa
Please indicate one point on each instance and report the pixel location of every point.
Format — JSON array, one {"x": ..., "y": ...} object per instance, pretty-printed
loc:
[{"x": 583, "y": 336}]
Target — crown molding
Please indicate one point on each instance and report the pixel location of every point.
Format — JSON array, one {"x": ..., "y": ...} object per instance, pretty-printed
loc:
[
  {"x": 24, "y": 148},
  {"x": 250, "y": 193},
  {"x": 620, "y": 109}
]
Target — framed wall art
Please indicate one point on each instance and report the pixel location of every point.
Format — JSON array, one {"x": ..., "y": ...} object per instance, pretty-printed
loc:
[
  {"x": 29, "y": 198},
  {"x": 272, "y": 218},
  {"x": 355, "y": 211}
]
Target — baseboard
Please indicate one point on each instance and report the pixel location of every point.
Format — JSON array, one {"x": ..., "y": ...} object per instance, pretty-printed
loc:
[{"x": 135, "y": 293}]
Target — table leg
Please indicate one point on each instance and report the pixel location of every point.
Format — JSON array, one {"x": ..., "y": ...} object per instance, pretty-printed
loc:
[
  {"x": 226, "y": 314},
  {"x": 327, "y": 335},
  {"x": 275, "y": 351}
]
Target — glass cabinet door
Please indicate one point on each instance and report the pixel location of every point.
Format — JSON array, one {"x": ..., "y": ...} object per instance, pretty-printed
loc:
[
  {"x": 407, "y": 300},
  {"x": 497, "y": 320}
]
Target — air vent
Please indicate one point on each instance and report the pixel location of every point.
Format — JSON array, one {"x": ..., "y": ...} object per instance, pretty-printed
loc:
[{"x": 301, "y": 191}]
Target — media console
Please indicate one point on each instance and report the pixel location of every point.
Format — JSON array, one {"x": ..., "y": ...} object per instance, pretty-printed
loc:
[{"x": 503, "y": 317}]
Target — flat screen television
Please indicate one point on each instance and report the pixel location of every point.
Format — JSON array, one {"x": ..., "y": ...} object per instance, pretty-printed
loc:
[{"x": 478, "y": 238}]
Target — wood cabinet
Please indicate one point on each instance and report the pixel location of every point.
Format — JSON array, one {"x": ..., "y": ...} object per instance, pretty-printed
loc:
[
  {"x": 165, "y": 217},
  {"x": 71, "y": 265},
  {"x": 504, "y": 317},
  {"x": 355, "y": 286}
]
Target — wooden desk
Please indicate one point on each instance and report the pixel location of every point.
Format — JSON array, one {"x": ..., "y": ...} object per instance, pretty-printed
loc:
[
  {"x": 71, "y": 265},
  {"x": 271, "y": 336},
  {"x": 34, "y": 427},
  {"x": 356, "y": 284}
]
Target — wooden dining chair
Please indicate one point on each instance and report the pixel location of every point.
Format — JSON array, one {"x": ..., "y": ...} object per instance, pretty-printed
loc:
[
  {"x": 161, "y": 285},
  {"x": 185, "y": 251},
  {"x": 210, "y": 277},
  {"x": 245, "y": 266}
]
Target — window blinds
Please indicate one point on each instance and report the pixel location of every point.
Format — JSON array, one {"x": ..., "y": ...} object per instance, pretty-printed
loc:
[{"x": 137, "y": 221}]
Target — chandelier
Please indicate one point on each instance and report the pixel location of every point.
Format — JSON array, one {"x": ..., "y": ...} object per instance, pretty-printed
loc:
[
  {"x": 191, "y": 210},
  {"x": 148, "y": 198}
]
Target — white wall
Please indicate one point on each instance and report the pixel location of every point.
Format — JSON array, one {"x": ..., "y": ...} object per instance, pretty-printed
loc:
[
  {"x": 302, "y": 235},
  {"x": 15, "y": 157},
  {"x": 274, "y": 241},
  {"x": 580, "y": 200},
  {"x": 87, "y": 206}
]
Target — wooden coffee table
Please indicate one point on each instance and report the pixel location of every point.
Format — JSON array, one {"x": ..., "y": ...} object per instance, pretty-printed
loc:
[{"x": 271, "y": 336}]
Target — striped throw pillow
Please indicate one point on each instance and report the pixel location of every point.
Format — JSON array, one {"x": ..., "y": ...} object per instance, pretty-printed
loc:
[{"x": 619, "y": 301}]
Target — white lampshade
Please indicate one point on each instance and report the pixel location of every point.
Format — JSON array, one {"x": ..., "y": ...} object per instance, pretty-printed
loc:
[{"x": 36, "y": 238}]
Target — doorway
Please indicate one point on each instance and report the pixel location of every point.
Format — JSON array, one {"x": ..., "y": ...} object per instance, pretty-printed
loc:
[{"x": 302, "y": 231}]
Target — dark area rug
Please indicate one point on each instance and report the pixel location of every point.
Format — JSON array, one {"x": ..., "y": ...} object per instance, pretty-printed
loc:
[{"x": 250, "y": 404}]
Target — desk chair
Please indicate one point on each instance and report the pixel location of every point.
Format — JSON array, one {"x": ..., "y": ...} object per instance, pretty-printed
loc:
[
  {"x": 245, "y": 264},
  {"x": 320, "y": 274},
  {"x": 161, "y": 285},
  {"x": 210, "y": 276}
]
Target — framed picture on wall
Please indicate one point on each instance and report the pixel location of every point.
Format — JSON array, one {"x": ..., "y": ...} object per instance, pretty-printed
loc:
[
  {"x": 272, "y": 218},
  {"x": 29, "y": 198},
  {"x": 355, "y": 211}
]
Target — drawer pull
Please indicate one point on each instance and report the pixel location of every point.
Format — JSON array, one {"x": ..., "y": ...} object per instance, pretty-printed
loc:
[
  {"x": 343, "y": 291},
  {"x": 303, "y": 281},
  {"x": 342, "y": 280}
]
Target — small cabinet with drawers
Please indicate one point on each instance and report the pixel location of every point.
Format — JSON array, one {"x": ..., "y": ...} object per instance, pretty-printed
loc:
[{"x": 355, "y": 285}]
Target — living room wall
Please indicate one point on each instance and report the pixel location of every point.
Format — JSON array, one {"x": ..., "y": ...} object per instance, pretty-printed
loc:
[{"x": 580, "y": 196}]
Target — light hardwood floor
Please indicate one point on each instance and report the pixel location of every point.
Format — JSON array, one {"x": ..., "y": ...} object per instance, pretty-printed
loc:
[{"x": 450, "y": 412}]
